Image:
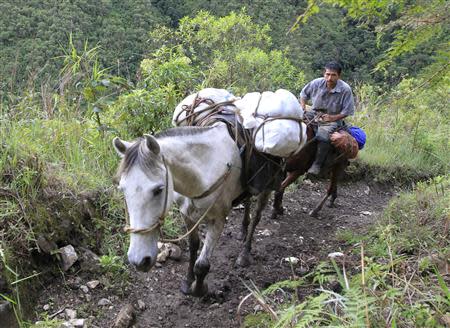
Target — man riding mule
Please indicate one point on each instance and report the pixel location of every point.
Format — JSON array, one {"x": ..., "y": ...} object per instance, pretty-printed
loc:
[{"x": 332, "y": 101}]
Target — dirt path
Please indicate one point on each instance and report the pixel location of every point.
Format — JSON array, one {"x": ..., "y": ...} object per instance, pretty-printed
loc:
[{"x": 295, "y": 234}]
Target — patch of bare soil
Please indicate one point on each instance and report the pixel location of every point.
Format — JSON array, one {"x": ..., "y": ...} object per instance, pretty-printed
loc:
[{"x": 294, "y": 234}]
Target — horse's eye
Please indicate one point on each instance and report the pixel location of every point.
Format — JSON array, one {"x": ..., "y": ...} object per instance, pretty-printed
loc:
[{"x": 157, "y": 190}]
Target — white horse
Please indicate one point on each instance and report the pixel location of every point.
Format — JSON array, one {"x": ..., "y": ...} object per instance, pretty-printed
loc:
[{"x": 200, "y": 163}]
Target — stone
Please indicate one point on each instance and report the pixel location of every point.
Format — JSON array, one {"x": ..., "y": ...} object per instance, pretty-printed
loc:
[
  {"x": 335, "y": 254},
  {"x": 89, "y": 261},
  {"x": 162, "y": 255},
  {"x": 175, "y": 252},
  {"x": 168, "y": 250},
  {"x": 68, "y": 256},
  {"x": 84, "y": 288},
  {"x": 77, "y": 323},
  {"x": 265, "y": 233},
  {"x": 141, "y": 305},
  {"x": 291, "y": 259},
  {"x": 125, "y": 317},
  {"x": 93, "y": 283},
  {"x": 70, "y": 313},
  {"x": 104, "y": 302},
  {"x": 258, "y": 308}
]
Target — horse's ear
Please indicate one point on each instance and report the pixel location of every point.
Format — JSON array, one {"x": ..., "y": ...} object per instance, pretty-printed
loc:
[
  {"x": 120, "y": 146},
  {"x": 152, "y": 144}
]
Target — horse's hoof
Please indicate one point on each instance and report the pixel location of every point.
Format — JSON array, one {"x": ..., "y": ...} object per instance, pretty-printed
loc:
[
  {"x": 276, "y": 213},
  {"x": 243, "y": 260},
  {"x": 241, "y": 236},
  {"x": 314, "y": 213},
  {"x": 199, "y": 291},
  {"x": 332, "y": 205},
  {"x": 186, "y": 287}
]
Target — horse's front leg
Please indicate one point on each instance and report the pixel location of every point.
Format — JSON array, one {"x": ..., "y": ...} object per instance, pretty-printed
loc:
[
  {"x": 194, "y": 244},
  {"x": 246, "y": 219},
  {"x": 277, "y": 208},
  {"x": 315, "y": 212},
  {"x": 278, "y": 199},
  {"x": 244, "y": 256},
  {"x": 201, "y": 267},
  {"x": 335, "y": 174},
  {"x": 331, "y": 191}
]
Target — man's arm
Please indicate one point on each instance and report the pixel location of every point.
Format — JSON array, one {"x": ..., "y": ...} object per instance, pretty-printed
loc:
[
  {"x": 332, "y": 118},
  {"x": 303, "y": 103},
  {"x": 305, "y": 95}
]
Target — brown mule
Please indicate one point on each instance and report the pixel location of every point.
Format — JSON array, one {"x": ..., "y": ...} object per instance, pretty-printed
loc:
[{"x": 299, "y": 164}]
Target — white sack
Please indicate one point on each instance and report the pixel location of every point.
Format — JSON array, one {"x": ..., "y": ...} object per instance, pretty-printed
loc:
[
  {"x": 281, "y": 137},
  {"x": 268, "y": 104},
  {"x": 277, "y": 137},
  {"x": 216, "y": 95}
]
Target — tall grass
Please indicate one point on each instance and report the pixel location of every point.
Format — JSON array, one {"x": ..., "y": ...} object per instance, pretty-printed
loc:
[
  {"x": 407, "y": 133},
  {"x": 73, "y": 151}
]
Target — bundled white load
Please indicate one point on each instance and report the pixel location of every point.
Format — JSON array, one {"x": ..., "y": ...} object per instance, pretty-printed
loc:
[
  {"x": 216, "y": 95},
  {"x": 278, "y": 137}
]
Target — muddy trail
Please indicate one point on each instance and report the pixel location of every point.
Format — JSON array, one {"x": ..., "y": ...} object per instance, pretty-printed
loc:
[{"x": 156, "y": 298}]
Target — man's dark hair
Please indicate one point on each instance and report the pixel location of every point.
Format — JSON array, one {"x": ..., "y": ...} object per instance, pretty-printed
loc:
[{"x": 334, "y": 66}]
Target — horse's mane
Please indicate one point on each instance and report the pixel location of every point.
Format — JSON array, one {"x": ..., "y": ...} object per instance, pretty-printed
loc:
[
  {"x": 183, "y": 131},
  {"x": 139, "y": 154}
]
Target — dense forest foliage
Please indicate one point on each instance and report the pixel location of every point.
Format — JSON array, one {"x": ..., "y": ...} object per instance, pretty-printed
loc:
[
  {"x": 34, "y": 36},
  {"x": 74, "y": 74}
]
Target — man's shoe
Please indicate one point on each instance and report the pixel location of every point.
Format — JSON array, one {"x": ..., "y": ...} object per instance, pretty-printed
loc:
[{"x": 314, "y": 169}]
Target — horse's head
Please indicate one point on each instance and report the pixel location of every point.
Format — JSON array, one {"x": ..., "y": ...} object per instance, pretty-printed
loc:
[{"x": 147, "y": 185}]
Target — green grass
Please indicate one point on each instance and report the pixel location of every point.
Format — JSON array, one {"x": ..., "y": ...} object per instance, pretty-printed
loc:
[
  {"x": 47, "y": 169},
  {"x": 407, "y": 132},
  {"x": 74, "y": 152}
]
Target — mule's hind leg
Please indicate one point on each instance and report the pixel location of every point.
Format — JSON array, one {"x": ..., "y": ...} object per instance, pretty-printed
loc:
[
  {"x": 244, "y": 256},
  {"x": 277, "y": 208},
  {"x": 201, "y": 267},
  {"x": 246, "y": 220}
]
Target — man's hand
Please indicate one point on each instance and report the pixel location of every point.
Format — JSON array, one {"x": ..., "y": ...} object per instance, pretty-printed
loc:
[
  {"x": 327, "y": 118},
  {"x": 332, "y": 118}
]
